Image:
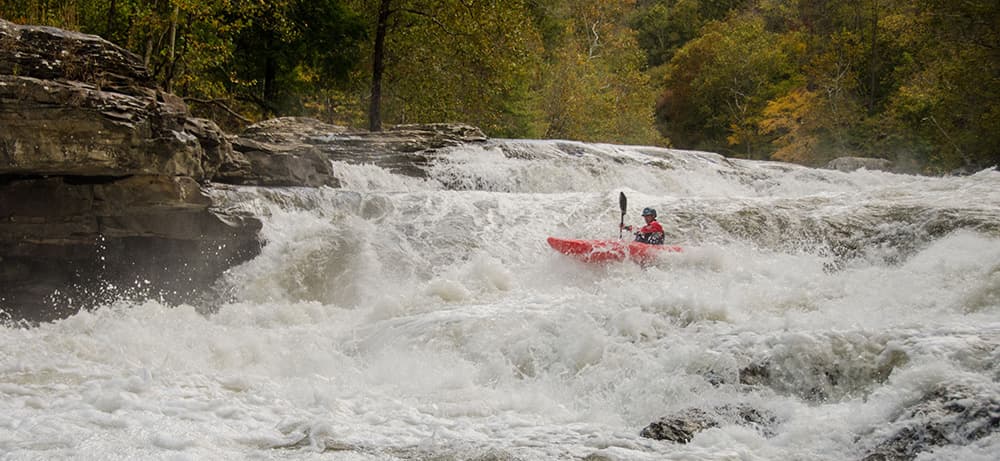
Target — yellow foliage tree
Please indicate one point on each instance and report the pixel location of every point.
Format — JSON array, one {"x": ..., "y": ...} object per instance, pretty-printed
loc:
[{"x": 788, "y": 118}]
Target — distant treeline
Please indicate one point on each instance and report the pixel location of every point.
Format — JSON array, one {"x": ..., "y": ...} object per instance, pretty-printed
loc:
[{"x": 805, "y": 81}]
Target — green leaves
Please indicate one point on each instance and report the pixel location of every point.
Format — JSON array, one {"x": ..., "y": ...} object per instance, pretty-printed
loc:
[
  {"x": 455, "y": 61},
  {"x": 292, "y": 48},
  {"x": 593, "y": 85}
]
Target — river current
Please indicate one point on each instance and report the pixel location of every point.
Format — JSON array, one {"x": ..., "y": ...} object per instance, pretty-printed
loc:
[{"x": 400, "y": 318}]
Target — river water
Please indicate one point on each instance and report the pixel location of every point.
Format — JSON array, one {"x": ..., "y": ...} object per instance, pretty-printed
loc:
[{"x": 398, "y": 318}]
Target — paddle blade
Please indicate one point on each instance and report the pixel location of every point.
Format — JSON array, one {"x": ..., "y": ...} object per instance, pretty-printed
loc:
[{"x": 622, "y": 203}]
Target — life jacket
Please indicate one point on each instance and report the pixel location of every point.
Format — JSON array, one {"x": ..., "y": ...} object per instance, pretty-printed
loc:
[{"x": 651, "y": 233}]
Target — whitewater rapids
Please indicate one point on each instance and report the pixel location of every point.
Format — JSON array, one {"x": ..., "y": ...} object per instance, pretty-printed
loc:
[{"x": 400, "y": 318}]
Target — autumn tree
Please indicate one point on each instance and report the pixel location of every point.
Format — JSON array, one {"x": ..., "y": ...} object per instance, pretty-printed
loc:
[
  {"x": 717, "y": 86},
  {"x": 824, "y": 116}
]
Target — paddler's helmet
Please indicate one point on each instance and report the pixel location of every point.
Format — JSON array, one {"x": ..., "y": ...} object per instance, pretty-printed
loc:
[{"x": 649, "y": 212}]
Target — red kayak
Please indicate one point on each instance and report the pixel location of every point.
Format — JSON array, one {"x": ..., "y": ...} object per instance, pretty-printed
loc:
[{"x": 609, "y": 250}]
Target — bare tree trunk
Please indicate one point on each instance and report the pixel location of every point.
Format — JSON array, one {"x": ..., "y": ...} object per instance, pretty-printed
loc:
[
  {"x": 378, "y": 66},
  {"x": 111, "y": 18},
  {"x": 270, "y": 86},
  {"x": 147, "y": 56}
]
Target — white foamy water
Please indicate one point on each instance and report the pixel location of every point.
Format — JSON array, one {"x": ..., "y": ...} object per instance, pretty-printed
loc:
[{"x": 401, "y": 318}]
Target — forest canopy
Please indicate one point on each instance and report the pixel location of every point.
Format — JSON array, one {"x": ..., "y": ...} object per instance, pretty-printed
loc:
[{"x": 913, "y": 81}]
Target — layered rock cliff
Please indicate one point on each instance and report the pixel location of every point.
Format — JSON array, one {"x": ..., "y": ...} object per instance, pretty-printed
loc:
[
  {"x": 101, "y": 180},
  {"x": 105, "y": 179}
]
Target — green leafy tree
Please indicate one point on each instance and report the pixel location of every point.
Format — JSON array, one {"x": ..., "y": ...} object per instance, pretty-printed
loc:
[
  {"x": 663, "y": 26},
  {"x": 949, "y": 92},
  {"x": 449, "y": 60},
  {"x": 594, "y": 85},
  {"x": 291, "y": 48},
  {"x": 263, "y": 58}
]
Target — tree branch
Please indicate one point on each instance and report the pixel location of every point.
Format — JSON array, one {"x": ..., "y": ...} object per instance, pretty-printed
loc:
[
  {"x": 218, "y": 103},
  {"x": 436, "y": 21},
  {"x": 595, "y": 43}
]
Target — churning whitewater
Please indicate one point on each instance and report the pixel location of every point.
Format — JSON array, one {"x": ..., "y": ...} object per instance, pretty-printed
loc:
[{"x": 401, "y": 318}]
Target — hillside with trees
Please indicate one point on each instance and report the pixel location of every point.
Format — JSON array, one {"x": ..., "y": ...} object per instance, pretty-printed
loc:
[{"x": 805, "y": 81}]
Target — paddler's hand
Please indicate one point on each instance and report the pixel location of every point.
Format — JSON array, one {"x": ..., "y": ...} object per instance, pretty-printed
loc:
[{"x": 628, "y": 228}]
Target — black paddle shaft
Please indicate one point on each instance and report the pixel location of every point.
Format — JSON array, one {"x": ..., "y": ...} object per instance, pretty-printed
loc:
[{"x": 622, "y": 202}]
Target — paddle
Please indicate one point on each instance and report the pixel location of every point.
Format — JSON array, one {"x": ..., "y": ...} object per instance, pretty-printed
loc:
[{"x": 622, "y": 202}]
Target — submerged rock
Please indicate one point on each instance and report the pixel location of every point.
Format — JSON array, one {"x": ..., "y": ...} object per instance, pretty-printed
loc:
[
  {"x": 848, "y": 164},
  {"x": 681, "y": 427},
  {"x": 951, "y": 415},
  {"x": 824, "y": 367}
]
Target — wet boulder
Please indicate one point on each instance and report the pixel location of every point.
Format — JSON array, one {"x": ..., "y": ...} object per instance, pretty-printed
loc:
[
  {"x": 682, "y": 427},
  {"x": 949, "y": 415}
]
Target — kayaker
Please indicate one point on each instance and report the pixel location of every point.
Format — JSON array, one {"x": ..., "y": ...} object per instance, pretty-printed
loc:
[{"x": 652, "y": 232}]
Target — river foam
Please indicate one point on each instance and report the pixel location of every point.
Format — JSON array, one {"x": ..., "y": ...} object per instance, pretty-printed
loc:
[{"x": 401, "y": 318}]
